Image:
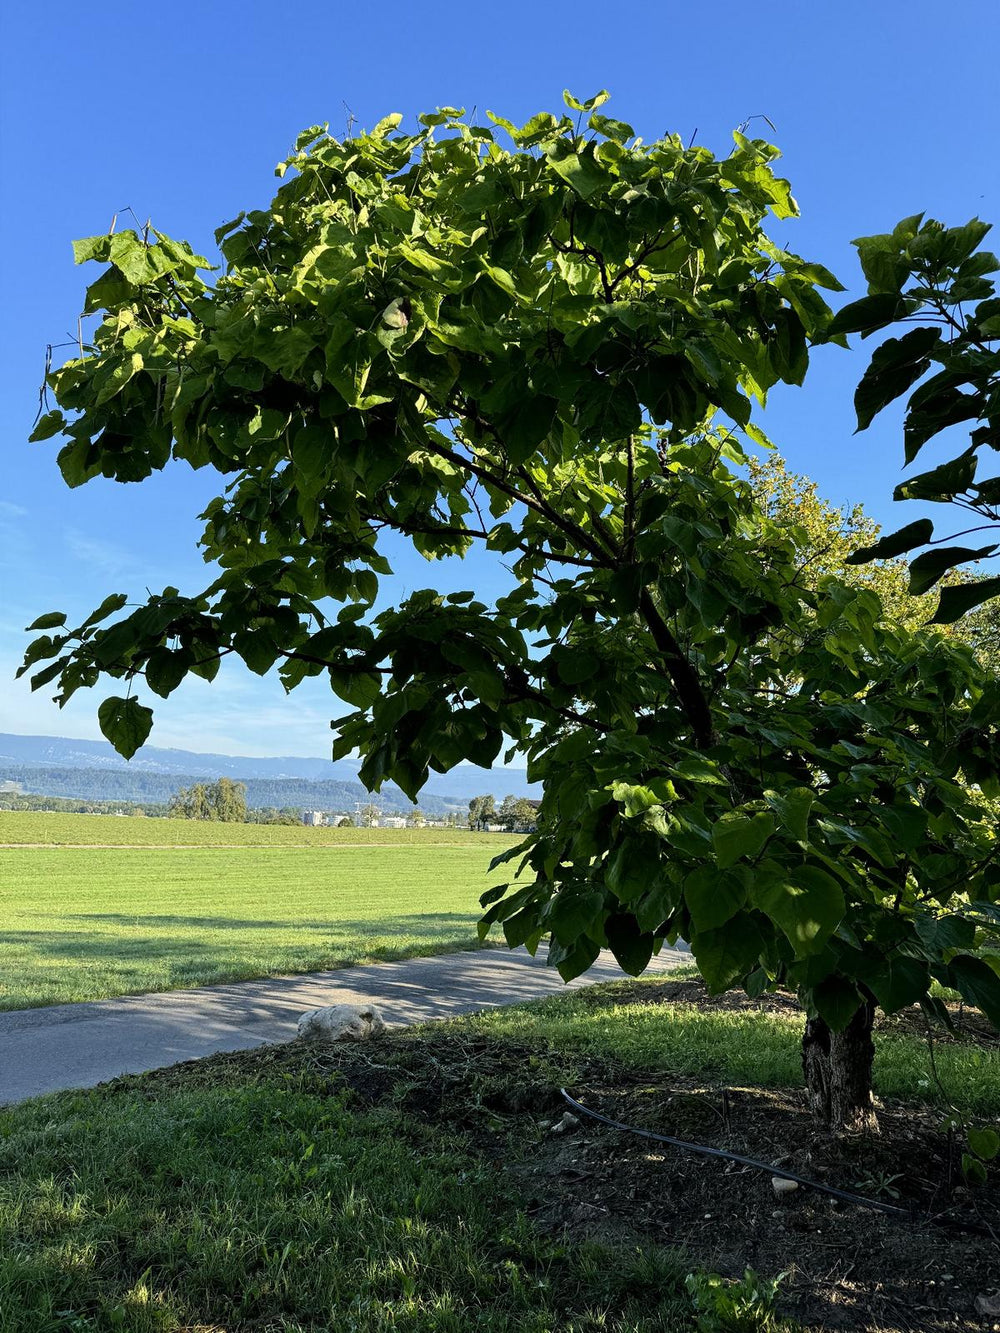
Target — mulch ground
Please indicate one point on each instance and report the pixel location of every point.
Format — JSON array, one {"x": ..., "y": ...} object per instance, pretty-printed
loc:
[{"x": 846, "y": 1267}]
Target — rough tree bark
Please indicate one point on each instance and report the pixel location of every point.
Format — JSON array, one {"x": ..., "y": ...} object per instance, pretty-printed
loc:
[{"x": 838, "y": 1072}]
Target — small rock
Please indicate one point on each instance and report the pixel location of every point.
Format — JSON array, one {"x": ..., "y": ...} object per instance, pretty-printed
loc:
[
  {"x": 781, "y": 1186},
  {"x": 988, "y": 1305},
  {"x": 341, "y": 1022},
  {"x": 567, "y": 1123}
]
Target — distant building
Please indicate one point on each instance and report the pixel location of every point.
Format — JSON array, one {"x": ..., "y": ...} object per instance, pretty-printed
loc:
[
  {"x": 314, "y": 818},
  {"x": 392, "y": 821}
]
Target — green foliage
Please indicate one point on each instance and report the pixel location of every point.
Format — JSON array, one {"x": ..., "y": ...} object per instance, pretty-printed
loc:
[
  {"x": 223, "y": 800},
  {"x": 125, "y": 723},
  {"x": 848, "y": 545},
  {"x": 554, "y": 352},
  {"x": 482, "y": 811},
  {"x": 983, "y": 1147},
  {"x": 924, "y": 271},
  {"x": 745, "y": 1305}
]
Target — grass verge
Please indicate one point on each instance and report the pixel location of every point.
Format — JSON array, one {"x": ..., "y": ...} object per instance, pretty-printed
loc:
[{"x": 729, "y": 1040}]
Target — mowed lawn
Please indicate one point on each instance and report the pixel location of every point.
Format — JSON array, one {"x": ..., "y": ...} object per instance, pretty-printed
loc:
[{"x": 93, "y": 906}]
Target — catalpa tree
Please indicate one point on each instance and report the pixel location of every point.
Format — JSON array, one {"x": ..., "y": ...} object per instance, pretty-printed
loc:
[{"x": 551, "y": 349}]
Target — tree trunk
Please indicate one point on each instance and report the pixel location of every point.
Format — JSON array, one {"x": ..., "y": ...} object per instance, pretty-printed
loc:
[{"x": 838, "y": 1072}]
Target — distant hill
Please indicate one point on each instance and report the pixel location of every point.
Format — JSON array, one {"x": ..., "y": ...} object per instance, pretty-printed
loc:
[
  {"x": 92, "y": 770},
  {"x": 121, "y": 784}
]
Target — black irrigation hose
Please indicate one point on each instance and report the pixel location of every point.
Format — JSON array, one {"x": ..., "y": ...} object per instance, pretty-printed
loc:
[{"x": 860, "y": 1199}]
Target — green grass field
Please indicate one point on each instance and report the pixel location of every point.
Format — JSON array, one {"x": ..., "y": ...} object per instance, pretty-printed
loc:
[
  {"x": 108, "y": 909},
  {"x": 40, "y": 827}
]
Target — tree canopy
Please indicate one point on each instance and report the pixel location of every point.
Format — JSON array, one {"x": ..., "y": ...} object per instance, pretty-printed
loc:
[
  {"x": 552, "y": 349},
  {"x": 224, "y": 800},
  {"x": 827, "y": 541}
]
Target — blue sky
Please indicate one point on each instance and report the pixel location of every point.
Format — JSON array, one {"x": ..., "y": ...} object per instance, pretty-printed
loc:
[{"x": 881, "y": 110}]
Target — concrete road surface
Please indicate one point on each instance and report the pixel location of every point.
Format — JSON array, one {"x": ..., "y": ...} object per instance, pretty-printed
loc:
[{"x": 80, "y": 1045}]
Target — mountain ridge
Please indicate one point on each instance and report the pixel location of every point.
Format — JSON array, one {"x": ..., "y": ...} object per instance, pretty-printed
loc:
[{"x": 20, "y": 755}]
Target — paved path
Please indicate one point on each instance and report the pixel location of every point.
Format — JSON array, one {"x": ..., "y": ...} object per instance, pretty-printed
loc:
[{"x": 79, "y": 1045}]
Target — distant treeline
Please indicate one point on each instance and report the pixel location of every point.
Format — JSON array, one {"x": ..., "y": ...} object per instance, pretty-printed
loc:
[
  {"x": 94, "y": 785},
  {"x": 70, "y": 806}
]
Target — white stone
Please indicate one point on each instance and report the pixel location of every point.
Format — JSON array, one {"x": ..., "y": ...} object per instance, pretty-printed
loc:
[
  {"x": 567, "y": 1123},
  {"x": 782, "y": 1186},
  {"x": 341, "y": 1022}
]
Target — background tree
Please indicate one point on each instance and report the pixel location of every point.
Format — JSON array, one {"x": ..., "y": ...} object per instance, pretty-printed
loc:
[
  {"x": 507, "y": 813},
  {"x": 345, "y": 822},
  {"x": 827, "y": 540},
  {"x": 416, "y": 818},
  {"x": 481, "y": 811},
  {"x": 552, "y": 352},
  {"x": 369, "y": 815},
  {"x": 223, "y": 800},
  {"x": 934, "y": 280},
  {"x": 230, "y": 800},
  {"x": 524, "y": 813},
  {"x": 192, "y": 803}
]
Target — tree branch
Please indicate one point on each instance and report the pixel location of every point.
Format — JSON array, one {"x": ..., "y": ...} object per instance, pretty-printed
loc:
[
  {"x": 409, "y": 528},
  {"x": 629, "y": 524},
  {"x": 529, "y": 501},
  {"x": 682, "y": 674},
  {"x": 355, "y": 667}
]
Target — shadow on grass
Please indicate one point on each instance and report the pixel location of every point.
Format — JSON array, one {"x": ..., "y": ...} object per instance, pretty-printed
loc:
[{"x": 416, "y": 923}]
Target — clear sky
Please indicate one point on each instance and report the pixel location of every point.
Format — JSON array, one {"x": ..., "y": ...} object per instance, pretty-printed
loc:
[{"x": 881, "y": 109}]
